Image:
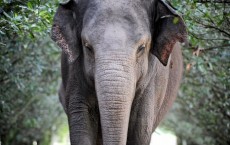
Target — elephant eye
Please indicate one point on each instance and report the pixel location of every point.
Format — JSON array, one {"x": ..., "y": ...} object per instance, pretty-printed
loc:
[
  {"x": 88, "y": 47},
  {"x": 141, "y": 48}
]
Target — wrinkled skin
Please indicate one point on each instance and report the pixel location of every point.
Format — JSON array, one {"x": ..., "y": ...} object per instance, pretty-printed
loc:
[{"x": 121, "y": 68}]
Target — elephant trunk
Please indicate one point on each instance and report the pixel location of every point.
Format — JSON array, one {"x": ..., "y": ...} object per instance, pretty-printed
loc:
[{"x": 115, "y": 86}]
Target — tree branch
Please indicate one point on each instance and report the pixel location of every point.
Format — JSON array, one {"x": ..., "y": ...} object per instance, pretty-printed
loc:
[
  {"x": 195, "y": 35},
  {"x": 197, "y": 50},
  {"x": 216, "y": 47},
  {"x": 207, "y": 16},
  {"x": 210, "y": 26}
]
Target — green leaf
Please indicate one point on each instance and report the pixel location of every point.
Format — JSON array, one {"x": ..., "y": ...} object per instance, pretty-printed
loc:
[
  {"x": 29, "y": 5},
  {"x": 43, "y": 13},
  {"x": 175, "y": 20}
]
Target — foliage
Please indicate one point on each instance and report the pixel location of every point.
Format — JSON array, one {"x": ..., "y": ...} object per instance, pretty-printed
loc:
[
  {"x": 29, "y": 70},
  {"x": 201, "y": 114}
]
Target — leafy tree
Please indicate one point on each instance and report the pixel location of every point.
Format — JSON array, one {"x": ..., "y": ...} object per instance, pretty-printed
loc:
[
  {"x": 201, "y": 114},
  {"x": 29, "y": 72}
]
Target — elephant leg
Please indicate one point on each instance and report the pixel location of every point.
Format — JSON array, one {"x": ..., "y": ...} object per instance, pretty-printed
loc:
[
  {"x": 141, "y": 122},
  {"x": 83, "y": 121}
]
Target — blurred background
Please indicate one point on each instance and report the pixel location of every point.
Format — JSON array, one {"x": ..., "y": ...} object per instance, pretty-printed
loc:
[{"x": 30, "y": 113}]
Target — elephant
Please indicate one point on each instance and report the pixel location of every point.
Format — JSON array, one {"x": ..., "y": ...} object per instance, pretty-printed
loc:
[{"x": 121, "y": 67}]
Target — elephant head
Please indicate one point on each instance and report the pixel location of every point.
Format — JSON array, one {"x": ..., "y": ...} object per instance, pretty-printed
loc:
[{"x": 110, "y": 43}]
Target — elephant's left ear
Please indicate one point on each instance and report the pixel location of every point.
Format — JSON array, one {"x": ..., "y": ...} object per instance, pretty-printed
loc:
[{"x": 168, "y": 28}]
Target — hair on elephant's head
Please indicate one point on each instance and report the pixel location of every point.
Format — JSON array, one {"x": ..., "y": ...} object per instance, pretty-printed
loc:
[{"x": 114, "y": 39}]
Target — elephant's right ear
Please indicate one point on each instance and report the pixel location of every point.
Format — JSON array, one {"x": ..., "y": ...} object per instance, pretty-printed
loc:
[
  {"x": 64, "y": 30},
  {"x": 169, "y": 28}
]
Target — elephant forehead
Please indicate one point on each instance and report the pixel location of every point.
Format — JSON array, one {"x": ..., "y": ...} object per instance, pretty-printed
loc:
[
  {"x": 132, "y": 18},
  {"x": 115, "y": 34},
  {"x": 114, "y": 30},
  {"x": 116, "y": 3}
]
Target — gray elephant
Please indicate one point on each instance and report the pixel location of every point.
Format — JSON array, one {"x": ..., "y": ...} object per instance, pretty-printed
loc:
[{"x": 121, "y": 67}]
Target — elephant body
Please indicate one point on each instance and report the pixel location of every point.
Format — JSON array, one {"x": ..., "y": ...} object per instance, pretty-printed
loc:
[{"x": 121, "y": 68}]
